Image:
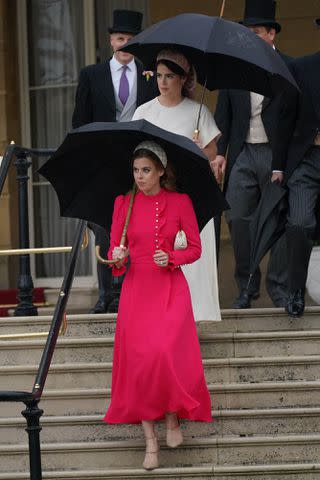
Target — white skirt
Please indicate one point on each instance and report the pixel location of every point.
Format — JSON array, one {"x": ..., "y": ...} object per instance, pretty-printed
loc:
[{"x": 202, "y": 278}]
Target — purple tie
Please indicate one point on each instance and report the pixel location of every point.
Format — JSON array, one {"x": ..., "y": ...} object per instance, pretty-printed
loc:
[{"x": 124, "y": 86}]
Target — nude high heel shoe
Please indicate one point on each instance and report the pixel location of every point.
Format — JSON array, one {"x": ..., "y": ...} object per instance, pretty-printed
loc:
[
  {"x": 151, "y": 460},
  {"x": 174, "y": 434}
]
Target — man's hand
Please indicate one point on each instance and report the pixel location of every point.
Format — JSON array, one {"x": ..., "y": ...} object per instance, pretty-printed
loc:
[
  {"x": 277, "y": 177},
  {"x": 218, "y": 166}
]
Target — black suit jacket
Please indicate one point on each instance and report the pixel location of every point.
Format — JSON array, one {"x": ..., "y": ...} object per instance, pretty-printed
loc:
[
  {"x": 307, "y": 74},
  {"x": 233, "y": 114},
  {"x": 95, "y": 101}
]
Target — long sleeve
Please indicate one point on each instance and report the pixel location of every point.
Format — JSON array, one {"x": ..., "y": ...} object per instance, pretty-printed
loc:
[
  {"x": 188, "y": 222},
  {"x": 118, "y": 219},
  {"x": 83, "y": 103},
  {"x": 223, "y": 118}
]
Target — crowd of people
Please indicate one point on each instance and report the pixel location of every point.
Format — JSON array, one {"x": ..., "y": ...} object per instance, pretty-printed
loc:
[{"x": 251, "y": 140}]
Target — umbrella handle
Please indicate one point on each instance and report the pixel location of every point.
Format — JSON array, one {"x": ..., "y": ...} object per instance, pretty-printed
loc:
[
  {"x": 197, "y": 131},
  {"x": 124, "y": 232},
  {"x": 222, "y": 8},
  {"x": 126, "y": 223}
]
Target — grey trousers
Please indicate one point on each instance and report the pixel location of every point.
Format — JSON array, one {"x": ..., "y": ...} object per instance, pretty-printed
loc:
[
  {"x": 304, "y": 190},
  {"x": 249, "y": 175}
]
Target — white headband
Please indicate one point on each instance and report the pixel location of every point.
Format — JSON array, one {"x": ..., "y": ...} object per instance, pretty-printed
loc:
[{"x": 154, "y": 148}]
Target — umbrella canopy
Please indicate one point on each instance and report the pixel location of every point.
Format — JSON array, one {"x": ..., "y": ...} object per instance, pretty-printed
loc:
[
  {"x": 93, "y": 165},
  {"x": 225, "y": 54},
  {"x": 267, "y": 223}
]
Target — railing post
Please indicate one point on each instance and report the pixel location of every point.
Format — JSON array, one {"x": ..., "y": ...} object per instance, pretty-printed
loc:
[
  {"x": 32, "y": 414},
  {"x": 25, "y": 283}
]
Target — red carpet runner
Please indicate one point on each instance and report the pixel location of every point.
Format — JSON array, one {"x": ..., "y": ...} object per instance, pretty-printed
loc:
[{"x": 9, "y": 299}]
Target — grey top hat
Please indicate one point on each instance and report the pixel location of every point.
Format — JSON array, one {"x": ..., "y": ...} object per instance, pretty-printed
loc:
[
  {"x": 126, "y": 21},
  {"x": 261, "y": 12}
]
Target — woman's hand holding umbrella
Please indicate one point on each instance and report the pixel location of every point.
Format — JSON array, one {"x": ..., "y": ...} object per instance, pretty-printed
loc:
[{"x": 120, "y": 254}]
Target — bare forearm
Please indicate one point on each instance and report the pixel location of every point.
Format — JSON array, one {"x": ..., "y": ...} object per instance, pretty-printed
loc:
[{"x": 211, "y": 150}]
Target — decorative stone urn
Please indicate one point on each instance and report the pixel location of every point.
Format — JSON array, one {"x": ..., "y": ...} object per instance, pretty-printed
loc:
[{"x": 313, "y": 280}]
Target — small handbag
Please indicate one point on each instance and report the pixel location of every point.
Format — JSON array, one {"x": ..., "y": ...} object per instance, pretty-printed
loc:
[{"x": 180, "y": 241}]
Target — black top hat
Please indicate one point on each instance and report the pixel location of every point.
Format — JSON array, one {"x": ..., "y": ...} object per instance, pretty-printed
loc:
[
  {"x": 126, "y": 21},
  {"x": 317, "y": 20},
  {"x": 261, "y": 12}
]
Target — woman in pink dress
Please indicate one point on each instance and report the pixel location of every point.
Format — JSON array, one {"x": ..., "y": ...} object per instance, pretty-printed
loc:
[{"x": 157, "y": 368}]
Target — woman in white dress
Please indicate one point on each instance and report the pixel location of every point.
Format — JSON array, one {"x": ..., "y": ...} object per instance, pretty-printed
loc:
[{"x": 175, "y": 111}]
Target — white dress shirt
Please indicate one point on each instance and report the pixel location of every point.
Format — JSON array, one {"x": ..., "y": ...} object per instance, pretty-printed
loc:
[
  {"x": 116, "y": 72},
  {"x": 257, "y": 133}
]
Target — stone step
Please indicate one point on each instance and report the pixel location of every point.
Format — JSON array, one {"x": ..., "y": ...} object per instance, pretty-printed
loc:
[
  {"x": 198, "y": 451},
  {"x": 250, "y": 320},
  {"x": 213, "y": 345},
  {"x": 294, "y": 471},
  {"x": 221, "y": 370},
  {"x": 244, "y": 423},
  {"x": 265, "y": 319},
  {"x": 262, "y": 395},
  {"x": 79, "y": 325}
]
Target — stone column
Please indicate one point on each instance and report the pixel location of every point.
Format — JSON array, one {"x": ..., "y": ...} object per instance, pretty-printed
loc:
[{"x": 9, "y": 130}]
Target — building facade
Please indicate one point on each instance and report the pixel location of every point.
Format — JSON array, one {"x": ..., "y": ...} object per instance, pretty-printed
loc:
[{"x": 43, "y": 45}]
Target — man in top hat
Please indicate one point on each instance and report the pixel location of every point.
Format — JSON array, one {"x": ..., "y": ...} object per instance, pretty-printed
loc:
[
  {"x": 109, "y": 92},
  {"x": 250, "y": 126},
  {"x": 303, "y": 179}
]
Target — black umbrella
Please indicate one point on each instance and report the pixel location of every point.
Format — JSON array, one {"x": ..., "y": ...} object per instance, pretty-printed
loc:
[
  {"x": 93, "y": 165},
  {"x": 225, "y": 54},
  {"x": 267, "y": 223}
]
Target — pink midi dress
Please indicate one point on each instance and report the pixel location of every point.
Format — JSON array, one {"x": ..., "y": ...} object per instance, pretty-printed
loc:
[{"x": 157, "y": 366}]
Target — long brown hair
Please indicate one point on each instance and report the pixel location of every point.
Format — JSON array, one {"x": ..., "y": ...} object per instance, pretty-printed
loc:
[{"x": 168, "y": 179}]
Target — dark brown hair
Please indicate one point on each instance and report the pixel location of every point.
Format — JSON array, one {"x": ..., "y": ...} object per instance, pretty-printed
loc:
[
  {"x": 167, "y": 180},
  {"x": 190, "y": 76}
]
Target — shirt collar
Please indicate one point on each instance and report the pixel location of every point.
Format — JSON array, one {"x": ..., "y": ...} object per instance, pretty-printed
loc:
[{"x": 115, "y": 65}]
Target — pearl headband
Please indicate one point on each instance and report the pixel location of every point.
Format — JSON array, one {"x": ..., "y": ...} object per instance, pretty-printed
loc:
[{"x": 154, "y": 148}]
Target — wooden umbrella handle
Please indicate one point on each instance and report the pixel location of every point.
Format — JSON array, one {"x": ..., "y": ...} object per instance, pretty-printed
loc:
[
  {"x": 124, "y": 232},
  {"x": 126, "y": 223},
  {"x": 222, "y": 8}
]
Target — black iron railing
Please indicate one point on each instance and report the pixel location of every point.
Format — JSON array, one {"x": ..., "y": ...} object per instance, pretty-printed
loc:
[
  {"x": 31, "y": 400},
  {"x": 33, "y": 413},
  {"x": 22, "y": 162}
]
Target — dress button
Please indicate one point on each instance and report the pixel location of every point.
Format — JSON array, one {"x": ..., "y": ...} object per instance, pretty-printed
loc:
[
  {"x": 156, "y": 234},
  {"x": 156, "y": 226},
  {"x": 157, "y": 220}
]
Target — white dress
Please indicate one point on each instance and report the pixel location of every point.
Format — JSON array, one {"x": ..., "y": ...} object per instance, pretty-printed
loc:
[{"x": 201, "y": 275}]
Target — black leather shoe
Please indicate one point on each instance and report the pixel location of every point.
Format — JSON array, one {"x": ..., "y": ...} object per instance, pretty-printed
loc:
[
  {"x": 243, "y": 301},
  {"x": 102, "y": 305},
  {"x": 295, "y": 304}
]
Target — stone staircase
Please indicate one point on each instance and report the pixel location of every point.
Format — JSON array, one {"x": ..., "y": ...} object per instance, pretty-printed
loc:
[{"x": 263, "y": 372}]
